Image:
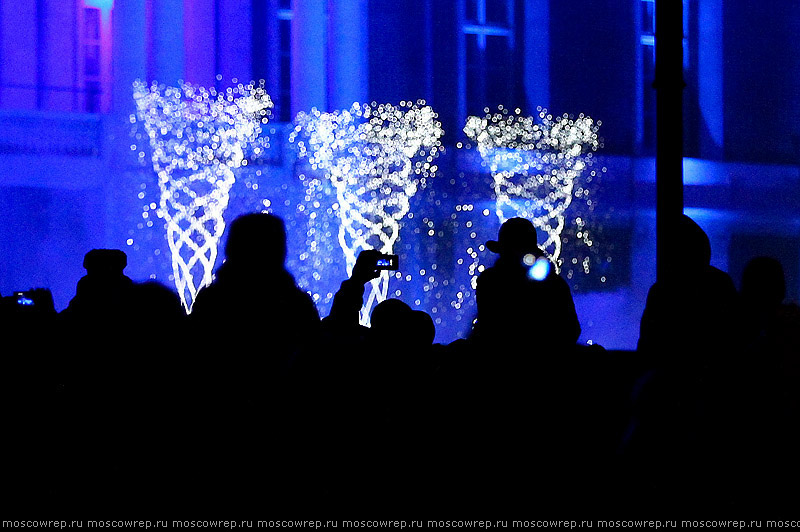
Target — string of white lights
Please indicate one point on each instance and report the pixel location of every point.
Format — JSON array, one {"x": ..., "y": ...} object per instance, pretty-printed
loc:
[
  {"x": 198, "y": 137},
  {"x": 376, "y": 156},
  {"x": 534, "y": 163}
]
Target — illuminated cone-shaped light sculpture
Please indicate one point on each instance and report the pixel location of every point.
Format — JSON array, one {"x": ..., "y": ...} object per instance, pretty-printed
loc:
[
  {"x": 534, "y": 165},
  {"x": 376, "y": 156},
  {"x": 198, "y": 137}
]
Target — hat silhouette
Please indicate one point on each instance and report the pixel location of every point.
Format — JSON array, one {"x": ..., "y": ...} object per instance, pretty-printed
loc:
[
  {"x": 105, "y": 261},
  {"x": 517, "y": 236}
]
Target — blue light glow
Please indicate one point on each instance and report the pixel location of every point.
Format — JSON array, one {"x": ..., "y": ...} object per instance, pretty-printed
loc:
[
  {"x": 540, "y": 269},
  {"x": 105, "y": 5}
]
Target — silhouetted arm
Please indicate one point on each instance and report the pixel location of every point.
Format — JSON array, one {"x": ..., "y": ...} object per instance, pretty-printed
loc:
[{"x": 350, "y": 298}]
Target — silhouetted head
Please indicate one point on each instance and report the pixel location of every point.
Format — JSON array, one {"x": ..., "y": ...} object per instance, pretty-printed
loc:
[
  {"x": 390, "y": 318},
  {"x": 763, "y": 281},
  {"x": 104, "y": 291},
  {"x": 105, "y": 262},
  {"x": 401, "y": 331},
  {"x": 695, "y": 246},
  {"x": 257, "y": 239},
  {"x": 517, "y": 237},
  {"x": 393, "y": 317},
  {"x": 423, "y": 327}
]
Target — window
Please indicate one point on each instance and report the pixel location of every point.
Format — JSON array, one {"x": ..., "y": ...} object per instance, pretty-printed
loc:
[
  {"x": 489, "y": 45},
  {"x": 283, "y": 101},
  {"x": 92, "y": 58},
  {"x": 60, "y": 56}
]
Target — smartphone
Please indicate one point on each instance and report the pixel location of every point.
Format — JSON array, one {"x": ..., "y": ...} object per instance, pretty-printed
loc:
[
  {"x": 387, "y": 262},
  {"x": 23, "y": 300}
]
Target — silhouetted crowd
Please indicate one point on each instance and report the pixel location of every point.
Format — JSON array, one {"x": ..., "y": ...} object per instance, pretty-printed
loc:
[{"x": 252, "y": 402}]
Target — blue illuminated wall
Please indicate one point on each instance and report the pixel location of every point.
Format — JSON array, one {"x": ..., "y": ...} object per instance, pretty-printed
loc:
[
  {"x": 593, "y": 66},
  {"x": 761, "y": 78}
]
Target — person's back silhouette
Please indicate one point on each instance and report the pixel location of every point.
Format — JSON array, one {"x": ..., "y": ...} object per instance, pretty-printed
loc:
[
  {"x": 689, "y": 336},
  {"x": 771, "y": 325},
  {"x": 250, "y": 325},
  {"x": 104, "y": 293},
  {"x": 254, "y": 305},
  {"x": 771, "y": 371},
  {"x": 696, "y": 309},
  {"x": 512, "y": 383},
  {"x": 102, "y": 377},
  {"x": 521, "y": 300}
]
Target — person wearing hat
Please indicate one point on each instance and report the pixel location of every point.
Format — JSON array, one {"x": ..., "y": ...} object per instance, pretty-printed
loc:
[
  {"x": 104, "y": 293},
  {"x": 521, "y": 299},
  {"x": 517, "y": 381},
  {"x": 517, "y": 237}
]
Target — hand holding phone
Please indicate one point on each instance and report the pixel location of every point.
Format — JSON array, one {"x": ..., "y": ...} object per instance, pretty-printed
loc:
[{"x": 370, "y": 263}]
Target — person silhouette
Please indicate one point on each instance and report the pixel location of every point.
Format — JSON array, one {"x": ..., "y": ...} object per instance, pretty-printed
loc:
[
  {"x": 105, "y": 292},
  {"x": 254, "y": 301},
  {"x": 401, "y": 338},
  {"x": 32, "y": 351},
  {"x": 512, "y": 383},
  {"x": 522, "y": 302},
  {"x": 101, "y": 379},
  {"x": 771, "y": 325},
  {"x": 685, "y": 404},
  {"x": 250, "y": 327},
  {"x": 770, "y": 401},
  {"x": 696, "y": 309}
]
